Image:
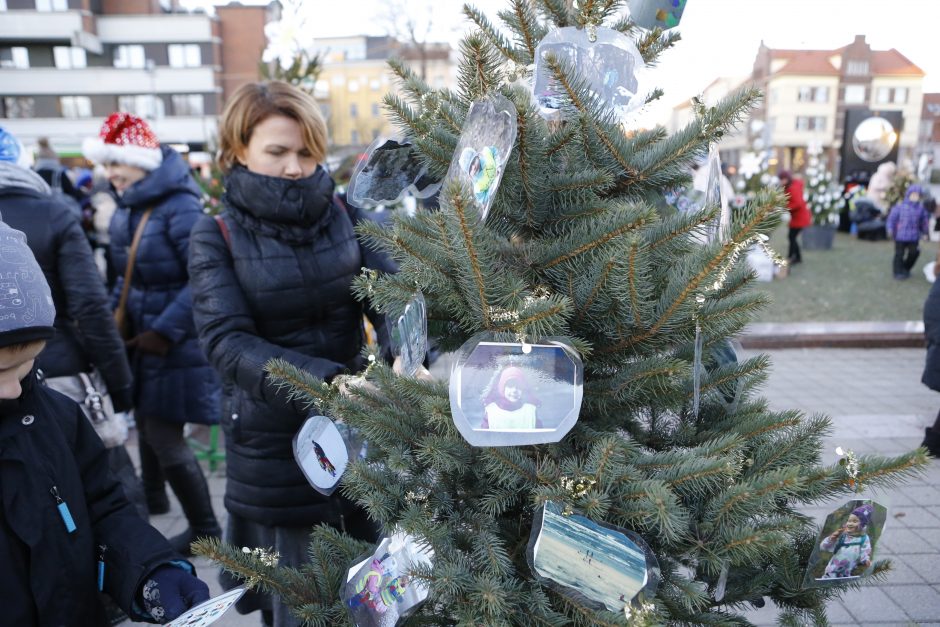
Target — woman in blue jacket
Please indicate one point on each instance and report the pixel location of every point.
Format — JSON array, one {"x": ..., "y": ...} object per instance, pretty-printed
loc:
[{"x": 174, "y": 383}]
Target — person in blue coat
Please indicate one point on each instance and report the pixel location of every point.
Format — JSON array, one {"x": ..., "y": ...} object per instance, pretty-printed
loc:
[{"x": 174, "y": 384}]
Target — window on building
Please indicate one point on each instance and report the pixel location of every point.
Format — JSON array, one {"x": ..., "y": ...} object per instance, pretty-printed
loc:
[
  {"x": 75, "y": 106},
  {"x": 883, "y": 95},
  {"x": 67, "y": 58},
  {"x": 19, "y": 107},
  {"x": 339, "y": 79},
  {"x": 353, "y": 85},
  {"x": 856, "y": 68},
  {"x": 15, "y": 57},
  {"x": 900, "y": 95},
  {"x": 805, "y": 94},
  {"x": 188, "y": 104},
  {"x": 353, "y": 110},
  {"x": 375, "y": 84},
  {"x": 854, "y": 94},
  {"x": 144, "y": 105},
  {"x": 321, "y": 89},
  {"x": 821, "y": 94},
  {"x": 354, "y": 137},
  {"x": 811, "y": 123},
  {"x": 130, "y": 56},
  {"x": 52, "y": 5},
  {"x": 184, "y": 55},
  {"x": 375, "y": 110}
]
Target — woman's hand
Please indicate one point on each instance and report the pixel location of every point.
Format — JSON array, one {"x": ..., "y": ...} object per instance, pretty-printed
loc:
[
  {"x": 150, "y": 342},
  {"x": 423, "y": 374}
]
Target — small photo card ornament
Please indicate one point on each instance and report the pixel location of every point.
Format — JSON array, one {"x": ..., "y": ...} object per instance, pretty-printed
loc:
[
  {"x": 207, "y": 613},
  {"x": 409, "y": 333},
  {"x": 513, "y": 394},
  {"x": 664, "y": 14},
  {"x": 488, "y": 136},
  {"x": 846, "y": 546},
  {"x": 611, "y": 65},
  {"x": 594, "y": 563},
  {"x": 379, "y": 590},
  {"x": 322, "y": 453},
  {"x": 386, "y": 172}
]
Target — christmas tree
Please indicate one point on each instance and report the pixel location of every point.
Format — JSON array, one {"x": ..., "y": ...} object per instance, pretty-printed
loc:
[{"x": 577, "y": 245}]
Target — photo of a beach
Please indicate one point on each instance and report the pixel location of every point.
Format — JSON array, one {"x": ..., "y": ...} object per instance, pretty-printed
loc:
[{"x": 601, "y": 564}]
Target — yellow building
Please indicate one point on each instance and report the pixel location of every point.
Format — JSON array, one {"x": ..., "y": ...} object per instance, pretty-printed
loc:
[{"x": 356, "y": 77}]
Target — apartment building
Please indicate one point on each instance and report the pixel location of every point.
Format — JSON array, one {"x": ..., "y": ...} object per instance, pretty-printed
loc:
[
  {"x": 356, "y": 77},
  {"x": 928, "y": 141},
  {"x": 66, "y": 64},
  {"x": 807, "y": 93}
]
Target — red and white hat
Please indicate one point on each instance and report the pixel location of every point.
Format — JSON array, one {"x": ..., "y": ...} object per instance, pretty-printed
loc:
[{"x": 125, "y": 138}]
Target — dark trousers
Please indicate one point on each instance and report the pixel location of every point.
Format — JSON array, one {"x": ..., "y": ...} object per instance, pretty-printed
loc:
[
  {"x": 793, "y": 253},
  {"x": 165, "y": 438},
  {"x": 905, "y": 256}
]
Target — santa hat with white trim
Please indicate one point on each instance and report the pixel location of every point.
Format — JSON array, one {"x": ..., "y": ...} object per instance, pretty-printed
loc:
[{"x": 127, "y": 139}]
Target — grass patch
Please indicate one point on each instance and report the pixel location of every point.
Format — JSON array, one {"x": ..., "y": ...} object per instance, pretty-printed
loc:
[{"x": 853, "y": 281}]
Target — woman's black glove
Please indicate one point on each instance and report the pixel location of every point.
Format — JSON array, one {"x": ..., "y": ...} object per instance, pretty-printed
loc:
[{"x": 150, "y": 342}]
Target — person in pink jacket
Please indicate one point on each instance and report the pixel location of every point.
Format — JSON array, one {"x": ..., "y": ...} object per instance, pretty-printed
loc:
[{"x": 800, "y": 217}]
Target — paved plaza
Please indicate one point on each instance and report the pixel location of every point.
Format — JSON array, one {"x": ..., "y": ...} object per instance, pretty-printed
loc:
[{"x": 878, "y": 405}]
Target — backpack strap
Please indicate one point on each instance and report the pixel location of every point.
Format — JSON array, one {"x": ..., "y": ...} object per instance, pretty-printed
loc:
[{"x": 226, "y": 235}]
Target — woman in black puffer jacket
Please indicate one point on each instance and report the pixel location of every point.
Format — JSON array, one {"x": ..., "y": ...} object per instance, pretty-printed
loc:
[{"x": 272, "y": 279}]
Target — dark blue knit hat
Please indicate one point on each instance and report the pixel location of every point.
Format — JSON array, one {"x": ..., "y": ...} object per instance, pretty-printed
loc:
[{"x": 26, "y": 309}]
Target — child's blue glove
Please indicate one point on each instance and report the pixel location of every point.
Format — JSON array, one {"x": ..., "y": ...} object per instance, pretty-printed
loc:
[{"x": 169, "y": 591}]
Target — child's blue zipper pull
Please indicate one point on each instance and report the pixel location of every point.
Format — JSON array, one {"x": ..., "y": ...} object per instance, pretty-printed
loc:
[
  {"x": 102, "y": 548},
  {"x": 64, "y": 511}
]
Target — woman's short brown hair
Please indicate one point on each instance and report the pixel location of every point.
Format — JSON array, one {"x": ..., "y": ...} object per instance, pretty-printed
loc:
[{"x": 253, "y": 103}]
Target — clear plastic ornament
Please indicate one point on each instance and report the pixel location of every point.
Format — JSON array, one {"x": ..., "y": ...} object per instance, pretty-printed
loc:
[
  {"x": 664, "y": 14},
  {"x": 387, "y": 171},
  {"x": 611, "y": 65},
  {"x": 409, "y": 335},
  {"x": 515, "y": 394},
  {"x": 379, "y": 590},
  {"x": 322, "y": 453},
  {"x": 847, "y": 544},
  {"x": 489, "y": 134},
  {"x": 597, "y": 564}
]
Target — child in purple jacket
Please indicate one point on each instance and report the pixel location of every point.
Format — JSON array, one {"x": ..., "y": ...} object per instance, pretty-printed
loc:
[{"x": 907, "y": 223}]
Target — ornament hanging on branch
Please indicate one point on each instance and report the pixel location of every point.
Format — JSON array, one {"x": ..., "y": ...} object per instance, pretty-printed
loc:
[
  {"x": 846, "y": 545},
  {"x": 664, "y": 14},
  {"x": 380, "y": 590},
  {"x": 593, "y": 563},
  {"x": 514, "y": 394},
  {"x": 488, "y": 136},
  {"x": 609, "y": 63},
  {"x": 409, "y": 335},
  {"x": 322, "y": 453},
  {"x": 386, "y": 172}
]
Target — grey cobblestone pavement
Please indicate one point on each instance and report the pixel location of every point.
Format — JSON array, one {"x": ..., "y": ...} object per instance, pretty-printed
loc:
[{"x": 877, "y": 405}]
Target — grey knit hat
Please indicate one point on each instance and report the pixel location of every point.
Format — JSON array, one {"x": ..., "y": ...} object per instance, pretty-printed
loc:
[{"x": 26, "y": 309}]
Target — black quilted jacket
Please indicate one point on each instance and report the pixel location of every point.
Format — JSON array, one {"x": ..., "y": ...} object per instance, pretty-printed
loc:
[{"x": 282, "y": 290}]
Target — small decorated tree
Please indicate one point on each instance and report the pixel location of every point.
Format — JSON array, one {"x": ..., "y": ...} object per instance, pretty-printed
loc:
[{"x": 672, "y": 443}]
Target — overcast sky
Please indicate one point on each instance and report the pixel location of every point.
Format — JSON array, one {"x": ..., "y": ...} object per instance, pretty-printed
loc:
[{"x": 719, "y": 37}]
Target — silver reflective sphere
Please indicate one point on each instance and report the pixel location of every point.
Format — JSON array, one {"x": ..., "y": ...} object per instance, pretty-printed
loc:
[{"x": 874, "y": 138}]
